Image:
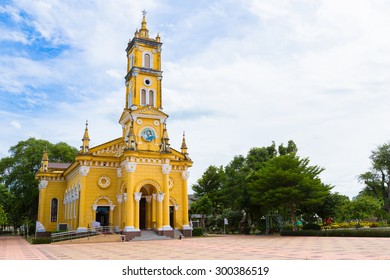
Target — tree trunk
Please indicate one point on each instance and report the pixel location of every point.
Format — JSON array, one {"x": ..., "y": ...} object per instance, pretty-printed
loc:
[{"x": 293, "y": 220}]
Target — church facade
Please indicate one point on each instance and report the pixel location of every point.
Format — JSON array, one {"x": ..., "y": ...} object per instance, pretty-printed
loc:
[{"x": 133, "y": 183}]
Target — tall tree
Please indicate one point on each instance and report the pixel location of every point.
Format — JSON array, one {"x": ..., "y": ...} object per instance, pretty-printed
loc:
[
  {"x": 211, "y": 184},
  {"x": 238, "y": 174},
  {"x": 288, "y": 182},
  {"x": 377, "y": 179},
  {"x": 331, "y": 206},
  {"x": 202, "y": 206},
  {"x": 17, "y": 173}
]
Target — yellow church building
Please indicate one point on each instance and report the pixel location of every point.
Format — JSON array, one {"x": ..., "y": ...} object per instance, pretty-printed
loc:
[{"x": 133, "y": 183}]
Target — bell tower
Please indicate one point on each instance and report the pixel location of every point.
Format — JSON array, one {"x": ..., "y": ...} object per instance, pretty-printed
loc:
[
  {"x": 143, "y": 79},
  {"x": 143, "y": 121}
]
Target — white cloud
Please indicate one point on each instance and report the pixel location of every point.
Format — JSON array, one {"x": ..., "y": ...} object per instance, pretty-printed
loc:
[
  {"x": 16, "y": 124},
  {"x": 236, "y": 75}
]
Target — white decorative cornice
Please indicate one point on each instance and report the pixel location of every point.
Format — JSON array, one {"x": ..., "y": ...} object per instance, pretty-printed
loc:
[
  {"x": 137, "y": 196},
  {"x": 119, "y": 198},
  {"x": 43, "y": 184},
  {"x": 166, "y": 168},
  {"x": 160, "y": 197},
  {"x": 185, "y": 175},
  {"x": 130, "y": 166},
  {"x": 149, "y": 160},
  {"x": 84, "y": 170},
  {"x": 148, "y": 199}
]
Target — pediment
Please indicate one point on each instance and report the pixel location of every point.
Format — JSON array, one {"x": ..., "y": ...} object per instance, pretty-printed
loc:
[
  {"x": 142, "y": 112},
  {"x": 110, "y": 149},
  {"x": 149, "y": 111}
]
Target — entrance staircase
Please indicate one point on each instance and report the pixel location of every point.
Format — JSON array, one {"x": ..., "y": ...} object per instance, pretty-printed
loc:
[
  {"x": 152, "y": 235},
  {"x": 106, "y": 234}
]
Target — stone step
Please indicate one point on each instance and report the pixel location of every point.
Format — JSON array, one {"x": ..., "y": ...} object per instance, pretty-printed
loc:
[{"x": 150, "y": 235}]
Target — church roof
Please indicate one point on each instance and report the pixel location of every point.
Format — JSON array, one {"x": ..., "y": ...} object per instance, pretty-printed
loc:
[{"x": 58, "y": 165}]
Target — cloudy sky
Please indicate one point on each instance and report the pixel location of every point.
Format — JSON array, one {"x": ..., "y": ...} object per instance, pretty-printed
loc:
[{"x": 237, "y": 74}]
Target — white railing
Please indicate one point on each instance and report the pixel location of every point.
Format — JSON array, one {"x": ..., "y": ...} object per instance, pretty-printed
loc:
[{"x": 74, "y": 234}]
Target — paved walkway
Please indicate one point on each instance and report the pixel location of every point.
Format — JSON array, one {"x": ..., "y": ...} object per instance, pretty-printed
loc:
[{"x": 210, "y": 248}]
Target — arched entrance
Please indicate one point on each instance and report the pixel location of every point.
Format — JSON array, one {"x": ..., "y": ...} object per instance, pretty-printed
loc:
[
  {"x": 172, "y": 216},
  {"x": 103, "y": 215},
  {"x": 103, "y": 209},
  {"x": 142, "y": 213},
  {"x": 146, "y": 207}
]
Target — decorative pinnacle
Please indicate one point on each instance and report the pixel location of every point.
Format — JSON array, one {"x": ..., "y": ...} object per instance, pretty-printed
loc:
[
  {"x": 183, "y": 144},
  {"x": 144, "y": 12}
]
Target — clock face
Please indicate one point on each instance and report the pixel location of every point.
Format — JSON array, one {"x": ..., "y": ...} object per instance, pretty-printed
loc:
[{"x": 148, "y": 135}]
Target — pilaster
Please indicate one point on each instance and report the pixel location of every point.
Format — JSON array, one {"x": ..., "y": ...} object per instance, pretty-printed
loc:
[
  {"x": 42, "y": 200},
  {"x": 130, "y": 230},
  {"x": 82, "y": 226}
]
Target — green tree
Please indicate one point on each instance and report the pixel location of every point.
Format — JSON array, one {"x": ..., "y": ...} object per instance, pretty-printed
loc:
[
  {"x": 234, "y": 217},
  {"x": 234, "y": 191},
  {"x": 332, "y": 206},
  {"x": 17, "y": 173},
  {"x": 377, "y": 179},
  {"x": 291, "y": 148},
  {"x": 211, "y": 184},
  {"x": 288, "y": 182},
  {"x": 365, "y": 207},
  {"x": 3, "y": 218},
  {"x": 202, "y": 206},
  {"x": 238, "y": 175}
]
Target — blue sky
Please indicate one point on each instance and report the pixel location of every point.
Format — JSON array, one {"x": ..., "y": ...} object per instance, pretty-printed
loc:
[{"x": 237, "y": 74}]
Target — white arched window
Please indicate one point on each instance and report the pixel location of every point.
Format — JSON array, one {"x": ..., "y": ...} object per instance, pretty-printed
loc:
[
  {"x": 147, "y": 97},
  {"x": 148, "y": 60},
  {"x": 131, "y": 63},
  {"x": 151, "y": 98},
  {"x": 143, "y": 97},
  {"x": 54, "y": 210}
]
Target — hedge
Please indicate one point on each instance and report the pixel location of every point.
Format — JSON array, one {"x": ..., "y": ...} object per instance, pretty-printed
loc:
[
  {"x": 339, "y": 233},
  {"x": 198, "y": 231},
  {"x": 40, "y": 240}
]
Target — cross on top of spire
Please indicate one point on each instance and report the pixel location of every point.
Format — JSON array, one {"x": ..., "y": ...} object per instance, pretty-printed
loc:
[{"x": 144, "y": 12}]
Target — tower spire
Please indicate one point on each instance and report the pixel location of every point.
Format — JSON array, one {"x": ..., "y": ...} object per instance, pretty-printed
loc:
[
  {"x": 165, "y": 146},
  {"x": 45, "y": 160},
  {"x": 85, "y": 145},
  {"x": 144, "y": 32},
  {"x": 131, "y": 144},
  {"x": 184, "y": 145}
]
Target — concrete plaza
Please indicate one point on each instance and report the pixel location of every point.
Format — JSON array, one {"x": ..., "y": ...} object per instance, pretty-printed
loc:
[{"x": 229, "y": 247}]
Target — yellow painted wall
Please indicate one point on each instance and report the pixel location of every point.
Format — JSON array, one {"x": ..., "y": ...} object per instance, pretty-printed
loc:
[{"x": 55, "y": 189}]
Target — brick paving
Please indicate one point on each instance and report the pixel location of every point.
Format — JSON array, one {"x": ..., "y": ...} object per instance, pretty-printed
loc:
[{"x": 227, "y": 247}]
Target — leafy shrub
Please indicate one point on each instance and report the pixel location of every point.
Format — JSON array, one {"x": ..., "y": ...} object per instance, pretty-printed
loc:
[
  {"x": 311, "y": 227},
  {"x": 40, "y": 240},
  {"x": 197, "y": 231},
  {"x": 339, "y": 233},
  {"x": 351, "y": 225}
]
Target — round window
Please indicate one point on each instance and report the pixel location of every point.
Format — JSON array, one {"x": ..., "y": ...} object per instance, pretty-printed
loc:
[{"x": 147, "y": 82}]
